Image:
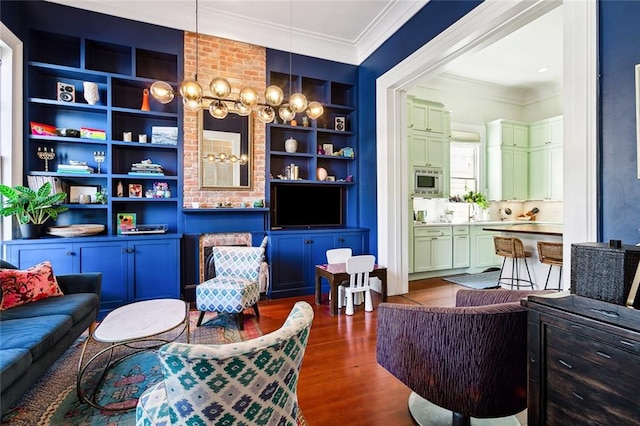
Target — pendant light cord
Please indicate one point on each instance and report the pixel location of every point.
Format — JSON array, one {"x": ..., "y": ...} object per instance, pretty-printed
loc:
[
  {"x": 290, "y": 48},
  {"x": 196, "y": 73}
]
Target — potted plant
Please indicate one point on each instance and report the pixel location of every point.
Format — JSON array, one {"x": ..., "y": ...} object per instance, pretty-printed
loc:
[
  {"x": 479, "y": 200},
  {"x": 31, "y": 208}
]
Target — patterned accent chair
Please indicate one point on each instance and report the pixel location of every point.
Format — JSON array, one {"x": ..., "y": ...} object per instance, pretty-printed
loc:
[
  {"x": 235, "y": 286},
  {"x": 247, "y": 383},
  {"x": 470, "y": 359}
]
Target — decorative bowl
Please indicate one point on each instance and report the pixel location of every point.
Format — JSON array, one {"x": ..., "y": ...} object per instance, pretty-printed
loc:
[{"x": 75, "y": 230}]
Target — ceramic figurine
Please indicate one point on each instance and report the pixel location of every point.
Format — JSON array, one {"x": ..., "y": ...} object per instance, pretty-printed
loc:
[
  {"x": 291, "y": 145},
  {"x": 91, "y": 94}
]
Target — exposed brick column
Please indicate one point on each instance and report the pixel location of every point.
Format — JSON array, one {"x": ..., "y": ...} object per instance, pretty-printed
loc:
[{"x": 243, "y": 65}]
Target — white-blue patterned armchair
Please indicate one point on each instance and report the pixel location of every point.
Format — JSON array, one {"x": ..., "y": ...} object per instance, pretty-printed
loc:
[
  {"x": 235, "y": 286},
  {"x": 247, "y": 383}
]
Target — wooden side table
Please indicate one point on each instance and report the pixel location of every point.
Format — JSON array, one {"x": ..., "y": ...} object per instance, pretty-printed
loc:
[{"x": 336, "y": 273}]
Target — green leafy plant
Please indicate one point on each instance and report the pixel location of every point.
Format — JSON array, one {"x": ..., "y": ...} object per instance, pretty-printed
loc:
[
  {"x": 29, "y": 206},
  {"x": 476, "y": 197}
]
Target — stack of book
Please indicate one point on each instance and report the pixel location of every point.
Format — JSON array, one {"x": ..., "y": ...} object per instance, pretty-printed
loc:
[
  {"x": 75, "y": 168},
  {"x": 146, "y": 169},
  {"x": 35, "y": 182}
]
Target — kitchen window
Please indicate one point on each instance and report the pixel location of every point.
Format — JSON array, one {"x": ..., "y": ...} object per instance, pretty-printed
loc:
[{"x": 464, "y": 162}]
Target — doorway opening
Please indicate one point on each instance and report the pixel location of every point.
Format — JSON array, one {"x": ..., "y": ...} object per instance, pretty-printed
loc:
[{"x": 484, "y": 25}]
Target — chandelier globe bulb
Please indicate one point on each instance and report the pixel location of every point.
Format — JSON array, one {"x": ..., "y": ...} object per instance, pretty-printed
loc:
[
  {"x": 218, "y": 109},
  {"x": 266, "y": 114},
  {"x": 241, "y": 109},
  {"x": 286, "y": 113},
  {"x": 274, "y": 95},
  {"x": 249, "y": 96},
  {"x": 314, "y": 110},
  {"x": 191, "y": 105},
  {"x": 298, "y": 102},
  {"x": 191, "y": 90},
  {"x": 220, "y": 87},
  {"x": 162, "y": 92}
]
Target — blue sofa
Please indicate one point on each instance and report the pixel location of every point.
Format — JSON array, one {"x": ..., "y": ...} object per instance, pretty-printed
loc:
[{"x": 34, "y": 335}]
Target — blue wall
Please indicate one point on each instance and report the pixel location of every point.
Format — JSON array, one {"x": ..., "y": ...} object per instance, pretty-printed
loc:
[
  {"x": 620, "y": 188},
  {"x": 430, "y": 21}
]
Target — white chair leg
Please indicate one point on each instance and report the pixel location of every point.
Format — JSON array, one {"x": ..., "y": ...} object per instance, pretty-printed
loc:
[
  {"x": 349, "y": 310},
  {"x": 368, "y": 304},
  {"x": 341, "y": 295},
  {"x": 358, "y": 299}
]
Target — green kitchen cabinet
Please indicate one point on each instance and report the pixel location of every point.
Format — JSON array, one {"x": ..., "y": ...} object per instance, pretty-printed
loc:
[{"x": 507, "y": 173}]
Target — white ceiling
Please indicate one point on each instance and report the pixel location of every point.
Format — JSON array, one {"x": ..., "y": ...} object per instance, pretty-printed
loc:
[
  {"x": 347, "y": 31},
  {"x": 514, "y": 60}
]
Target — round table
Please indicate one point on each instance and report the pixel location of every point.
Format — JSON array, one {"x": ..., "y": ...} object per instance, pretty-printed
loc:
[{"x": 137, "y": 325}]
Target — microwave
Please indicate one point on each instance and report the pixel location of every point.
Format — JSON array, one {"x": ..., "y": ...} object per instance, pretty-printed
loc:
[{"x": 427, "y": 181}]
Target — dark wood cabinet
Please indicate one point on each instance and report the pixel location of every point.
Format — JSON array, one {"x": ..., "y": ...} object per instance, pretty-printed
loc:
[{"x": 584, "y": 362}]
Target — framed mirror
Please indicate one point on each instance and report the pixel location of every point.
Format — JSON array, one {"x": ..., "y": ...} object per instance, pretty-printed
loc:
[{"x": 225, "y": 150}]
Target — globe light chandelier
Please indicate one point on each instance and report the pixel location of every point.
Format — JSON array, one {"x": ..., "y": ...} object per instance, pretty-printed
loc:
[{"x": 220, "y": 102}]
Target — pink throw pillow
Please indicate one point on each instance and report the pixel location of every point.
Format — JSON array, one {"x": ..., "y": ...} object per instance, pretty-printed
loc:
[{"x": 20, "y": 287}]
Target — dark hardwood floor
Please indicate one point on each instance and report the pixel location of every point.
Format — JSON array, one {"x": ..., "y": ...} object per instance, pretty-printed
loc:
[{"x": 340, "y": 381}]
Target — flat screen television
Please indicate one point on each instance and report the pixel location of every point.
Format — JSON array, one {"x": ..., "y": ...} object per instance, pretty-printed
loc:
[{"x": 306, "y": 206}]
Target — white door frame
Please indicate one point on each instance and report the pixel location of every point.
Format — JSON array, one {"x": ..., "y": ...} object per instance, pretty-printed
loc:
[
  {"x": 11, "y": 145},
  {"x": 490, "y": 21}
]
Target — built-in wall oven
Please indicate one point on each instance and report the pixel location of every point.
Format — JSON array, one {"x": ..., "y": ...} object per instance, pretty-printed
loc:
[{"x": 427, "y": 181}]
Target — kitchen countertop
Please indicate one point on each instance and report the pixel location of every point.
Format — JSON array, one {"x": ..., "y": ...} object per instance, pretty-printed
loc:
[
  {"x": 502, "y": 224},
  {"x": 529, "y": 228}
]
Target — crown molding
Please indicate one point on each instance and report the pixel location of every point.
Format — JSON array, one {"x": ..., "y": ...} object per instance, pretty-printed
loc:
[
  {"x": 180, "y": 14},
  {"x": 494, "y": 92}
]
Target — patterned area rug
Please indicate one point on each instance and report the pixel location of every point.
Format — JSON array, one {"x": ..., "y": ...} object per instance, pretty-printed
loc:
[{"x": 53, "y": 400}]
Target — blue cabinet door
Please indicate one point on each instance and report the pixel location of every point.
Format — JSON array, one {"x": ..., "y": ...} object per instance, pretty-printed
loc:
[
  {"x": 110, "y": 258},
  {"x": 293, "y": 256},
  {"x": 153, "y": 268},
  {"x": 61, "y": 256},
  {"x": 287, "y": 255},
  {"x": 356, "y": 241}
]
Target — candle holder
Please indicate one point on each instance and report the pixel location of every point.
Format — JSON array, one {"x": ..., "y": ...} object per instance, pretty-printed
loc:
[
  {"x": 99, "y": 157},
  {"x": 45, "y": 155}
]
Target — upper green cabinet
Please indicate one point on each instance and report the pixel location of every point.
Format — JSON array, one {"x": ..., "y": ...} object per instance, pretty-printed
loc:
[
  {"x": 426, "y": 116},
  {"x": 524, "y": 160},
  {"x": 546, "y": 132},
  {"x": 508, "y": 133},
  {"x": 546, "y": 160},
  {"x": 428, "y": 134},
  {"x": 426, "y": 149}
]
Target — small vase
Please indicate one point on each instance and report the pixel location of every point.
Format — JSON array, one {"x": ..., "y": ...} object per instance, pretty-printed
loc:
[
  {"x": 321, "y": 174},
  {"x": 91, "y": 94},
  {"x": 30, "y": 230},
  {"x": 291, "y": 145},
  {"x": 145, "y": 100}
]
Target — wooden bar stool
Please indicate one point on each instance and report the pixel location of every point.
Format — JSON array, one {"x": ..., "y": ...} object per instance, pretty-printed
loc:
[
  {"x": 551, "y": 254},
  {"x": 512, "y": 248}
]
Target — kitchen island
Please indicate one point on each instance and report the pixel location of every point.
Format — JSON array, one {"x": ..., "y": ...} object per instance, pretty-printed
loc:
[
  {"x": 529, "y": 228},
  {"x": 530, "y": 234}
]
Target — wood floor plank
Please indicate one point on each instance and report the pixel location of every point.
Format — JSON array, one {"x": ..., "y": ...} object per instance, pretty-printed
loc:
[{"x": 341, "y": 383}]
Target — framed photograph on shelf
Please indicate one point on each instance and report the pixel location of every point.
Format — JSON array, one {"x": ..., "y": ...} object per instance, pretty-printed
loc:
[
  {"x": 164, "y": 135},
  {"x": 76, "y": 191},
  {"x": 126, "y": 222},
  {"x": 135, "y": 190},
  {"x": 327, "y": 148}
]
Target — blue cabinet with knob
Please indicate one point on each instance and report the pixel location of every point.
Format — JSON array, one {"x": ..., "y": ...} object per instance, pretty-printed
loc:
[
  {"x": 294, "y": 254},
  {"x": 133, "y": 269}
]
